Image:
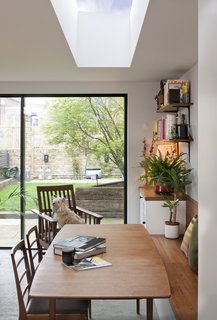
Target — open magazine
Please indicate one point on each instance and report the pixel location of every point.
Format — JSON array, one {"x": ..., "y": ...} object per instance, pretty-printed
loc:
[{"x": 90, "y": 263}]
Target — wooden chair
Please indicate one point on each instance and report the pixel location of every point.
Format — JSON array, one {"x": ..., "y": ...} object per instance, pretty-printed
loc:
[
  {"x": 38, "y": 309},
  {"x": 34, "y": 249},
  {"x": 36, "y": 253},
  {"x": 47, "y": 225}
]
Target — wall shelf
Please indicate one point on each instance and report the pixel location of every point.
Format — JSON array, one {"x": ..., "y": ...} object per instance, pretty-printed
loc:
[
  {"x": 176, "y": 140},
  {"x": 174, "y": 108}
]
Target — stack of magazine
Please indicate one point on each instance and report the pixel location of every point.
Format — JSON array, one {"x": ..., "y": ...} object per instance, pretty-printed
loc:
[{"x": 85, "y": 246}]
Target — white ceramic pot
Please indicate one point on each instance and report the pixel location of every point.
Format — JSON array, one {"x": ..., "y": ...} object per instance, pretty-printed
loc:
[{"x": 171, "y": 230}]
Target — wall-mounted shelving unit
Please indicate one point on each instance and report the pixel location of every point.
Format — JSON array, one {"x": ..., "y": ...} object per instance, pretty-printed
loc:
[{"x": 174, "y": 108}]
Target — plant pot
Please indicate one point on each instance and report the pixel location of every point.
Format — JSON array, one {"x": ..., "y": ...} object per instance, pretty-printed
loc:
[
  {"x": 171, "y": 230},
  {"x": 162, "y": 189}
]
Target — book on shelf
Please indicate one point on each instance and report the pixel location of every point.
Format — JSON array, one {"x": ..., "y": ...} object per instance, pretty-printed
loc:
[
  {"x": 155, "y": 126},
  {"x": 176, "y": 91},
  {"x": 79, "y": 243},
  {"x": 90, "y": 263},
  {"x": 170, "y": 124},
  {"x": 161, "y": 129}
]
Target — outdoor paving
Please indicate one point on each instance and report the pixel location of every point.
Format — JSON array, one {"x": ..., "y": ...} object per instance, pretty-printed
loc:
[{"x": 10, "y": 229}]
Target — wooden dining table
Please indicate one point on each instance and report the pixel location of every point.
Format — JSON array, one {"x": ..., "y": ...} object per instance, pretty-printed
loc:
[{"x": 137, "y": 271}]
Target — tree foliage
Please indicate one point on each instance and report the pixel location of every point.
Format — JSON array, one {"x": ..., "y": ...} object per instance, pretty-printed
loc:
[{"x": 90, "y": 126}]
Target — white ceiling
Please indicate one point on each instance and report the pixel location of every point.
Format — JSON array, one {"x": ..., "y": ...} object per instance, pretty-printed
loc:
[{"x": 33, "y": 47}]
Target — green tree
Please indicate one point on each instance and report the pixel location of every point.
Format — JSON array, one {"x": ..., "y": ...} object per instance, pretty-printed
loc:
[{"x": 91, "y": 126}]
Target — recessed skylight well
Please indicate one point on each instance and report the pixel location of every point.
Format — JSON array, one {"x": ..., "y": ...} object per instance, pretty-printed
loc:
[
  {"x": 111, "y": 6},
  {"x": 101, "y": 33}
]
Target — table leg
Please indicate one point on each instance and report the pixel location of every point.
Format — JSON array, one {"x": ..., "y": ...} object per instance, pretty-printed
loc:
[
  {"x": 138, "y": 306},
  {"x": 149, "y": 309},
  {"x": 52, "y": 308}
]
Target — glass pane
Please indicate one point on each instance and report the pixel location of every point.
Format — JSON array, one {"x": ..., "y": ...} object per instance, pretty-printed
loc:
[
  {"x": 112, "y": 6},
  {"x": 77, "y": 140},
  {"x": 9, "y": 171},
  {"x": 71, "y": 139}
]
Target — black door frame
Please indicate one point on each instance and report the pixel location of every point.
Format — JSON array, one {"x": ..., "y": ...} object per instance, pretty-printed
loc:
[{"x": 22, "y": 142}]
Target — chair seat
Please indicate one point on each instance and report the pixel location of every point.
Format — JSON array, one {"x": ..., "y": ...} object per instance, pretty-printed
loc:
[{"x": 66, "y": 306}]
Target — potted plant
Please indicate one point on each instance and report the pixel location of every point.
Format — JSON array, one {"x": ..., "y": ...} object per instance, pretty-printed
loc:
[
  {"x": 157, "y": 170},
  {"x": 168, "y": 175},
  {"x": 177, "y": 176}
]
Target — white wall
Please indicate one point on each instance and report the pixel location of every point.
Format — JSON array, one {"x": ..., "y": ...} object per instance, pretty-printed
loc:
[
  {"x": 141, "y": 112},
  {"x": 207, "y": 155}
]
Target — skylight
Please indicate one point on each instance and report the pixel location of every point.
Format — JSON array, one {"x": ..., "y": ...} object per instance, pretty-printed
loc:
[
  {"x": 101, "y": 33},
  {"x": 112, "y": 6}
]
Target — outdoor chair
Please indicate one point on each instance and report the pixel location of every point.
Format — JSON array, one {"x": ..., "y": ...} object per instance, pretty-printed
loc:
[
  {"x": 47, "y": 225},
  {"x": 38, "y": 309},
  {"x": 34, "y": 249}
]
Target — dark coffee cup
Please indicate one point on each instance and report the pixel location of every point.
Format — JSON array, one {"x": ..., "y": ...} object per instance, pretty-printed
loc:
[{"x": 68, "y": 256}]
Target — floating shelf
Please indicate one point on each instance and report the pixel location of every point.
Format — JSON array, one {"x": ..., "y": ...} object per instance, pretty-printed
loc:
[
  {"x": 176, "y": 140},
  {"x": 173, "y": 107}
]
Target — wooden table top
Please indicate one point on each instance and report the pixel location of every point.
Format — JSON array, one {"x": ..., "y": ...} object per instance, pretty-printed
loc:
[{"x": 137, "y": 270}]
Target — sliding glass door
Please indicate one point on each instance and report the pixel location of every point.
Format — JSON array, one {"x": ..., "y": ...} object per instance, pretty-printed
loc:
[
  {"x": 62, "y": 139},
  {"x": 10, "y": 128}
]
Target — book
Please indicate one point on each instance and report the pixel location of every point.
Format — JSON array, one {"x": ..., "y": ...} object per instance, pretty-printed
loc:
[
  {"x": 161, "y": 129},
  {"x": 83, "y": 254},
  {"x": 183, "y": 88},
  {"x": 91, "y": 244},
  {"x": 155, "y": 124},
  {"x": 91, "y": 263},
  {"x": 169, "y": 126},
  {"x": 79, "y": 243},
  {"x": 89, "y": 253}
]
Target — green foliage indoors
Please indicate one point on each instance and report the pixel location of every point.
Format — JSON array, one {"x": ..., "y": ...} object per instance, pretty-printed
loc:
[
  {"x": 92, "y": 127},
  {"x": 156, "y": 168},
  {"x": 171, "y": 171},
  {"x": 178, "y": 178},
  {"x": 171, "y": 204}
]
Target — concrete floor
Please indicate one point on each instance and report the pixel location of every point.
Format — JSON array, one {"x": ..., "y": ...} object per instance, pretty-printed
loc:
[{"x": 101, "y": 309}]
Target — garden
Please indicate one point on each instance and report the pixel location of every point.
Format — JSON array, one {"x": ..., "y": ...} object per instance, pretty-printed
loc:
[{"x": 10, "y": 195}]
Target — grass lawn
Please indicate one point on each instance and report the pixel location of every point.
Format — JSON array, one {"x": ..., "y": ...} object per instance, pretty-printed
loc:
[{"x": 13, "y": 204}]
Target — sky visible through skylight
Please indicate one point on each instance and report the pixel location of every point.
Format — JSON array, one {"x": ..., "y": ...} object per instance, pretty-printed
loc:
[{"x": 109, "y": 6}]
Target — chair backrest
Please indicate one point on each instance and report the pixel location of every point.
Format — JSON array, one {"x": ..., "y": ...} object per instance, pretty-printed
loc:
[
  {"x": 22, "y": 275},
  {"x": 47, "y": 224},
  {"x": 45, "y": 194},
  {"x": 40, "y": 308},
  {"x": 34, "y": 249}
]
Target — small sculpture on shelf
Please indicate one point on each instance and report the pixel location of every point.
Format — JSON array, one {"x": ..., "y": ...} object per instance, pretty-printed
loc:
[{"x": 160, "y": 96}]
